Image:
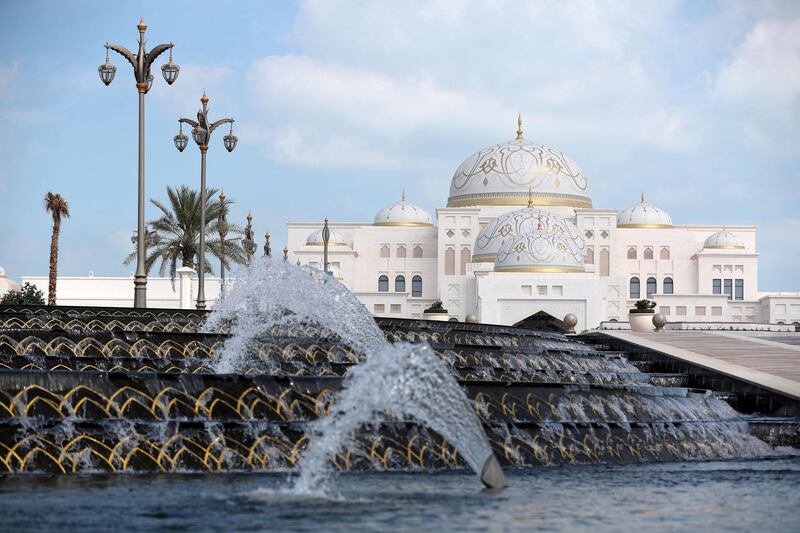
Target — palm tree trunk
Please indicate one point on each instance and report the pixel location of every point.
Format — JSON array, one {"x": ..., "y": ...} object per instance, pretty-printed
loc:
[
  {"x": 187, "y": 258},
  {"x": 51, "y": 286}
]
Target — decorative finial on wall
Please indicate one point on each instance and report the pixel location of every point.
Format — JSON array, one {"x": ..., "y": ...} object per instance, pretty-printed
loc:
[{"x": 519, "y": 127}]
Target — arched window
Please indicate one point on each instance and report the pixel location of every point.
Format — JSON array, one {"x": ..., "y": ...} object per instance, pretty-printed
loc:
[
  {"x": 400, "y": 284},
  {"x": 668, "y": 286},
  {"x": 648, "y": 253},
  {"x": 384, "y": 251},
  {"x": 401, "y": 251},
  {"x": 652, "y": 287},
  {"x": 383, "y": 284},
  {"x": 465, "y": 256},
  {"x": 604, "y": 262},
  {"x": 631, "y": 253},
  {"x": 416, "y": 287},
  {"x": 664, "y": 254},
  {"x": 449, "y": 262},
  {"x": 635, "y": 290},
  {"x": 589, "y": 256},
  {"x": 417, "y": 253}
]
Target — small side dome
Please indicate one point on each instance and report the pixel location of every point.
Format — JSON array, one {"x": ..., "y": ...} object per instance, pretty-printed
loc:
[
  {"x": 403, "y": 213},
  {"x": 724, "y": 240},
  {"x": 315, "y": 238},
  {"x": 644, "y": 215}
]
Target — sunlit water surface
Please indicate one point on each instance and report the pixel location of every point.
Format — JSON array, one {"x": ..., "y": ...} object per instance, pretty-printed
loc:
[{"x": 759, "y": 495}]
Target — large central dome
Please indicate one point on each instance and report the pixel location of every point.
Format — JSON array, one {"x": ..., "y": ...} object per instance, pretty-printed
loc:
[{"x": 502, "y": 175}]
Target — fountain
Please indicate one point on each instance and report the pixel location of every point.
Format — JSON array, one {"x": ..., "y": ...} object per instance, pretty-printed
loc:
[
  {"x": 401, "y": 380},
  {"x": 292, "y": 373}
]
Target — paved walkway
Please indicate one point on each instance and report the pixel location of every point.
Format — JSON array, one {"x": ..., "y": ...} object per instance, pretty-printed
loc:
[{"x": 769, "y": 362}]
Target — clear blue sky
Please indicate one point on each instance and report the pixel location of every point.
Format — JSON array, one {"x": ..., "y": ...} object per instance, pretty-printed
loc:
[{"x": 341, "y": 105}]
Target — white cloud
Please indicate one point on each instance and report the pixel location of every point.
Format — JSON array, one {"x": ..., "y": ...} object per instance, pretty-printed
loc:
[
  {"x": 406, "y": 75},
  {"x": 760, "y": 85},
  {"x": 184, "y": 95}
]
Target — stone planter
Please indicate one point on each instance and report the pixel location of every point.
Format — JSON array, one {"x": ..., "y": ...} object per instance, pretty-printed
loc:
[
  {"x": 440, "y": 317},
  {"x": 641, "y": 321}
]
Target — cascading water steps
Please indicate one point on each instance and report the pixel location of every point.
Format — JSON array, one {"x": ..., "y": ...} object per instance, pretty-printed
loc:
[{"x": 272, "y": 383}]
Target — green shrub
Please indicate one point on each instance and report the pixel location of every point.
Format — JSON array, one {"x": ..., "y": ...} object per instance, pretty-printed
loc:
[
  {"x": 644, "y": 306},
  {"x": 436, "y": 307},
  {"x": 27, "y": 295}
]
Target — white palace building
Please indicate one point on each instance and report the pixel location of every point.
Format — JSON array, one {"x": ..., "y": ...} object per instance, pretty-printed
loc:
[{"x": 519, "y": 236}]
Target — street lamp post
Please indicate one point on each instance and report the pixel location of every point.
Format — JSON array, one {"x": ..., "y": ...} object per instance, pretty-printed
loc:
[
  {"x": 223, "y": 232},
  {"x": 249, "y": 241},
  {"x": 326, "y": 236},
  {"x": 141, "y": 63},
  {"x": 201, "y": 132}
]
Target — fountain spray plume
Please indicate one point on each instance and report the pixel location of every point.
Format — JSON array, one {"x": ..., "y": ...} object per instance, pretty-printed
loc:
[
  {"x": 271, "y": 294},
  {"x": 401, "y": 381}
]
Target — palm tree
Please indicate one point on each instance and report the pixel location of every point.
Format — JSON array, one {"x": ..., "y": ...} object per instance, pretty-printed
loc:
[
  {"x": 57, "y": 207},
  {"x": 175, "y": 235}
]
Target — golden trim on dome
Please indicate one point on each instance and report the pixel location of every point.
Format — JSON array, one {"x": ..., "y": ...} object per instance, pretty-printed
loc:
[
  {"x": 724, "y": 246},
  {"x": 644, "y": 225},
  {"x": 538, "y": 269},
  {"x": 505, "y": 199},
  {"x": 405, "y": 224},
  {"x": 487, "y": 259},
  {"x": 322, "y": 243}
]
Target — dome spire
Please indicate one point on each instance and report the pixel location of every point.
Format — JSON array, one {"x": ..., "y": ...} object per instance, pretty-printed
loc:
[
  {"x": 403, "y": 197},
  {"x": 642, "y": 196},
  {"x": 519, "y": 127},
  {"x": 530, "y": 197}
]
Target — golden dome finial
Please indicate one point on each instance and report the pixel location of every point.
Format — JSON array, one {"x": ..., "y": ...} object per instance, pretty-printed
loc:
[
  {"x": 403, "y": 197},
  {"x": 519, "y": 127},
  {"x": 530, "y": 197},
  {"x": 642, "y": 196}
]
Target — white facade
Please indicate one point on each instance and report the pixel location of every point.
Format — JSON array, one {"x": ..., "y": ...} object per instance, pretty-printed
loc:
[{"x": 694, "y": 273}]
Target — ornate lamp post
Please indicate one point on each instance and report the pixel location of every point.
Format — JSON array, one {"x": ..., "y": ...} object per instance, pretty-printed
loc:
[
  {"x": 249, "y": 242},
  {"x": 223, "y": 232},
  {"x": 326, "y": 236},
  {"x": 141, "y": 63},
  {"x": 201, "y": 132},
  {"x": 267, "y": 247}
]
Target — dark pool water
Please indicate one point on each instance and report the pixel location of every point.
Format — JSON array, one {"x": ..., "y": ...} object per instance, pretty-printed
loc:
[{"x": 762, "y": 495}]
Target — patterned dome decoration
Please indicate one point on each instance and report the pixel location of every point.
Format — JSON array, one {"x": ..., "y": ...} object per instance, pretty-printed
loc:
[
  {"x": 541, "y": 251},
  {"x": 644, "y": 215},
  {"x": 724, "y": 240},
  {"x": 503, "y": 173},
  {"x": 511, "y": 225},
  {"x": 335, "y": 239},
  {"x": 403, "y": 213}
]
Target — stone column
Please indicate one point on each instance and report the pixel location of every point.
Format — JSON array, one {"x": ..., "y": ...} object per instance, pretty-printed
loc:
[{"x": 185, "y": 287}]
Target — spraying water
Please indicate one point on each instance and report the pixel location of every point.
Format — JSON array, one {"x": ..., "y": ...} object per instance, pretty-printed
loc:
[
  {"x": 272, "y": 294},
  {"x": 401, "y": 381}
]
